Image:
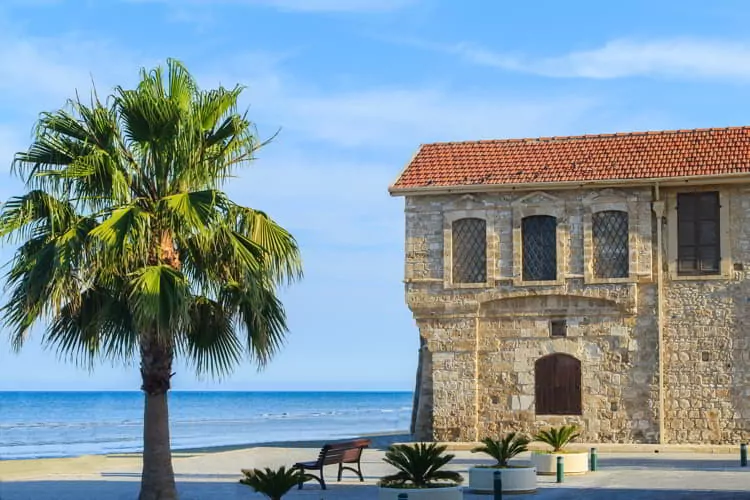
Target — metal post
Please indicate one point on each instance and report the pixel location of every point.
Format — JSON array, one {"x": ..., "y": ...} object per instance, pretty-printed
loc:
[
  {"x": 560, "y": 469},
  {"x": 498, "y": 485},
  {"x": 743, "y": 455},
  {"x": 593, "y": 460},
  {"x": 403, "y": 496}
]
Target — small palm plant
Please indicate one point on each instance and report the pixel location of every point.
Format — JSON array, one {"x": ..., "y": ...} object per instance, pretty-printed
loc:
[
  {"x": 558, "y": 438},
  {"x": 273, "y": 483},
  {"x": 419, "y": 466},
  {"x": 502, "y": 450}
]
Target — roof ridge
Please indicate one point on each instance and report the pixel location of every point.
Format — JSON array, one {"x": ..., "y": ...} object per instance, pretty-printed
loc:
[{"x": 563, "y": 138}]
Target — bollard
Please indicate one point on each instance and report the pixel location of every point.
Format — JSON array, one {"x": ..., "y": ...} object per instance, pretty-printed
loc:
[
  {"x": 593, "y": 460},
  {"x": 743, "y": 455},
  {"x": 560, "y": 469},
  {"x": 498, "y": 485},
  {"x": 403, "y": 496}
]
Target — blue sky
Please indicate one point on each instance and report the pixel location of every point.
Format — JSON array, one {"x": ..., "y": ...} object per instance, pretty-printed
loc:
[{"x": 355, "y": 86}]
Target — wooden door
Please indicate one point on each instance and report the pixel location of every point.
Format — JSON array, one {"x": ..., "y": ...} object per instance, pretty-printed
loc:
[{"x": 558, "y": 385}]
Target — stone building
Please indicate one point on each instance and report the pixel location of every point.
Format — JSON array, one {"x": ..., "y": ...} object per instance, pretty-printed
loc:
[{"x": 596, "y": 279}]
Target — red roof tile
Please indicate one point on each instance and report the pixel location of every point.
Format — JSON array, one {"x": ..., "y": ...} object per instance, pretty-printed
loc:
[{"x": 626, "y": 156}]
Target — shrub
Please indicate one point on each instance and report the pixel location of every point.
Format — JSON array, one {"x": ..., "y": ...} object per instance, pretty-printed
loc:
[
  {"x": 419, "y": 466},
  {"x": 502, "y": 450},
  {"x": 273, "y": 483},
  {"x": 558, "y": 438}
]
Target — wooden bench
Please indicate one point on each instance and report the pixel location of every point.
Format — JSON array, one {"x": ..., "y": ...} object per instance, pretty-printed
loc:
[{"x": 349, "y": 452}]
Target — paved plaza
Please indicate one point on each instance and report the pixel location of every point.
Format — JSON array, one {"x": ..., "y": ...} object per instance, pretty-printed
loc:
[{"x": 625, "y": 476}]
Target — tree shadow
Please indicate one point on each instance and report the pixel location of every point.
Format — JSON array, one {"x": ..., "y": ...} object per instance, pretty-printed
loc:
[
  {"x": 379, "y": 442},
  {"x": 231, "y": 490},
  {"x": 637, "y": 494},
  {"x": 669, "y": 463},
  {"x": 178, "y": 476},
  {"x": 188, "y": 490}
]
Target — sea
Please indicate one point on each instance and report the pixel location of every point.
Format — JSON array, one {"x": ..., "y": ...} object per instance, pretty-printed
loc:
[{"x": 64, "y": 424}]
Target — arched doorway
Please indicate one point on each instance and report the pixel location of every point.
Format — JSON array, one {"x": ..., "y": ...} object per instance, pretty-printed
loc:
[{"x": 558, "y": 385}]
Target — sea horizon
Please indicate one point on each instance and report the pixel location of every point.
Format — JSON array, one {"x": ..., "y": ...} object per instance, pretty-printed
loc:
[{"x": 55, "y": 424}]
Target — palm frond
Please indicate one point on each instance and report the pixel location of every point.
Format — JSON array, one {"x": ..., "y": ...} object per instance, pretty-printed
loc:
[
  {"x": 98, "y": 323},
  {"x": 280, "y": 251},
  {"x": 124, "y": 231},
  {"x": 211, "y": 342},
  {"x": 36, "y": 211},
  {"x": 260, "y": 315},
  {"x": 78, "y": 154},
  {"x": 159, "y": 297},
  {"x": 192, "y": 212}
]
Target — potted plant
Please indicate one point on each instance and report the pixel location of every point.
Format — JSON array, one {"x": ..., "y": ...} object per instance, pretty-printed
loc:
[
  {"x": 273, "y": 483},
  {"x": 420, "y": 473},
  {"x": 575, "y": 462},
  {"x": 517, "y": 477}
]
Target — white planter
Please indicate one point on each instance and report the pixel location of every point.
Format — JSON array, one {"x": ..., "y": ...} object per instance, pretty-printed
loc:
[
  {"x": 449, "y": 493},
  {"x": 515, "y": 479},
  {"x": 574, "y": 463}
]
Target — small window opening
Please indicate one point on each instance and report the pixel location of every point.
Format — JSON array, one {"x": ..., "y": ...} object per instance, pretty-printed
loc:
[{"x": 558, "y": 328}]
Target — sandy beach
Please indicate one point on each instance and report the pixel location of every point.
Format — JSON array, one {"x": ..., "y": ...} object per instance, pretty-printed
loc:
[
  {"x": 213, "y": 473},
  {"x": 202, "y": 473}
]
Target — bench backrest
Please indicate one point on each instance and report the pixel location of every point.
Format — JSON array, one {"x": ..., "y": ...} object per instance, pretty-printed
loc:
[{"x": 346, "y": 452}]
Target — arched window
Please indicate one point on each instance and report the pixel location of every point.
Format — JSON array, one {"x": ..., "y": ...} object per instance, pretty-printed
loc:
[
  {"x": 539, "y": 235},
  {"x": 558, "y": 385},
  {"x": 609, "y": 231},
  {"x": 469, "y": 250}
]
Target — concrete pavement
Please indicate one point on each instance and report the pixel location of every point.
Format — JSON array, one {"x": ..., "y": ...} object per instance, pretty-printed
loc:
[{"x": 215, "y": 476}]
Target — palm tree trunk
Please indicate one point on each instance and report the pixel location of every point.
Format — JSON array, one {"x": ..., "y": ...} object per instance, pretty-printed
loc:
[{"x": 157, "y": 479}]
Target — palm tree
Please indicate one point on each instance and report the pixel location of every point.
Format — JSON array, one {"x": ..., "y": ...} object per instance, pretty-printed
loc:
[{"x": 128, "y": 245}]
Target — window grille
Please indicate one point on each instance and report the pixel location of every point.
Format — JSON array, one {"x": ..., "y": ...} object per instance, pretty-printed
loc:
[
  {"x": 470, "y": 251},
  {"x": 539, "y": 234},
  {"x": 609, "y": 230}
]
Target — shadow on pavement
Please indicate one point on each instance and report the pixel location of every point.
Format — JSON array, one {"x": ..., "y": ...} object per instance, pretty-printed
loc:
[
  {"x": 668, "y": 463},
  {"x": 188, "y": 490},
  {"x": 632, "y": 494},
  {"x": 225, "y": 490}
]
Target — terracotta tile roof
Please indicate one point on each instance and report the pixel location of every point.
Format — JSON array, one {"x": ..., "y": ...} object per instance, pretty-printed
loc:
[{"x": 626, "y": 156}]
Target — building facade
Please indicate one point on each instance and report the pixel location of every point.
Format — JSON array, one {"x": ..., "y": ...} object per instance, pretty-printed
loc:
[{"x": 597, "y": 280}]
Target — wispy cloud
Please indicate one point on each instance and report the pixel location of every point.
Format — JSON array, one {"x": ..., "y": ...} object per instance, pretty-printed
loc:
[
  {"x": 688, "y": 58},
  {"x": 382, "y": 117},
  {"x": 306, "y": 191},
  {"x": 44, "y": 71},
  {"x": 302, "y": 5},
  {"x": 395, "y": 116}
]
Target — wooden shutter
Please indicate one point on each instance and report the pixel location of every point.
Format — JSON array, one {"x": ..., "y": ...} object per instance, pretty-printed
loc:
[
  {"x": 558, "y": 385},
  {"x": 698, "y": 233}
]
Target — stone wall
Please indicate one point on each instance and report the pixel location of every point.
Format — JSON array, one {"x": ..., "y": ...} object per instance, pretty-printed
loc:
[
  {"x": 483, "y": 340},
  {"x": 707, "y": 341}
]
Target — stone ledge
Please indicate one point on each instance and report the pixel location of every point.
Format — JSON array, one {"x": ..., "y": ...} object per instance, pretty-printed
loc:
[{"x": 718, "y": 449}]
